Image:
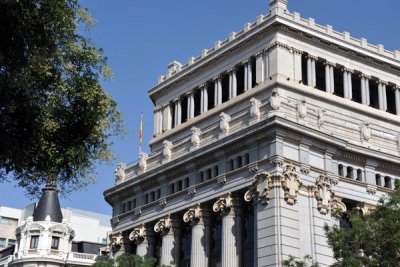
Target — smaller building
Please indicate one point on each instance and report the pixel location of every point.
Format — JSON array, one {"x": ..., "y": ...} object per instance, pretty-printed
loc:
[
  {"x": 9, "y": 218},
  {"x": 46, "y": 235}
]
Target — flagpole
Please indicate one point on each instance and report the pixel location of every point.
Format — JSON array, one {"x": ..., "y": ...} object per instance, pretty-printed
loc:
[{"x": 141, "y": 133}]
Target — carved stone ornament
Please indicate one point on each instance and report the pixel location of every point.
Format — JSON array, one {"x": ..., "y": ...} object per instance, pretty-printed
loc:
[
  {"x": 192, "y": 215},
  {"x": 398, "y": 142},
  {"x": 302, "y": 109},
  {"x": 255, "y": 108},
  {"x": 365, "y": 131},
  {"x": 114, "y": 221},
  {"x": 321, "y": 117},
  {"x": 221, "y": 180},
  {"x": 138, "y": 234},
  {"x": 291, "y": 184},
  {"x": 120, "y": 172},
  {"x": 191, "y": 191},
  {"x": 167, "y": 150},
  {"x": 259, "y": 191},
  {"x": 224, "y": 123},
  {"x": 195, "y": 139},
  {"x": 323, "y": 193},
  {"x": 163, "y": 225},
  {"x": 143, "y": 161},
  {"x": 116, "y": 239},
  {"x": 223, "y": 204},
  {"x": 275, "y": 99},
  {"x": 338, "y": 205},
  {"x": 371, "y": 189}
]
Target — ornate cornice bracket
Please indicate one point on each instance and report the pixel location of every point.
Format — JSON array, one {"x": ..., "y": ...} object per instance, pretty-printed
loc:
[
  {"x": 290, "y": 184},
  {"x": 260, "y": 189}
]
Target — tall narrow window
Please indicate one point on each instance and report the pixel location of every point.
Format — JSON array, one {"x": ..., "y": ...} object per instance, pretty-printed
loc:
[
  {"x": 216, "y": 172},
  {"x": 240, "y": 79},
  {"x": 359, "y": 175},
  {"x": 210, "y": 93},
  {"x": 246, "y": 159},
  {"x": 378, "y": 180},
  {"x": 356, "y": 87},
  {"x": 184, "y": 106},
  {"x": 340, "y": 170},
  {"x": 374, "y": 95},
  {"x": 253, "y": 71},
  {"x": 179, "y": 185},
  {"x": 187, "y": 182},
  {"x": 338, "y": 79},
  {"x": 129, "y": 205},
  {"x": 320, "y": 75},
  {"x": 232, "y": 164},
  {"x": 55, "y": 241},
  {"x": 239, "y": 162},
  {"x": 391, "y": 99},
  {"x": 123, "y": 207},
  {"x": 197, "y": 100},
  {"x": 349, "y": 172},
  {"x": 304, "y": 69},
  {"x": 388, "y": 182},
  {"x": 34, "y": 241},
  {"x": 225, "y": 88}
]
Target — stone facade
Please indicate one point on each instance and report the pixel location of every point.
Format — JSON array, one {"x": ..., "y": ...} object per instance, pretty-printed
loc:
[{"x": 277, "y": 126}]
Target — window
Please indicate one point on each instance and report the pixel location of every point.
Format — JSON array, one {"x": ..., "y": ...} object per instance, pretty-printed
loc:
[
  {"x": 11, "y": 242},
  {"x": 172, "y": 188},
  {"x": 388, "y": 182},
  {"x": 349, "y": 172},
  {"x": 246, "y": 159},
  {"x": 129, "y": 205},
  {"x": 34, "y": 241},
  {"x": 55, "y": 241},
  {"x": 378, "y": 180},
  {"x": 359, "y": 175},
  {"x": 187, "y": 182},
  {"x": 216, "y": 173},
  {"x": 104, "y": 241},
  {"x": 123, "y": 208},
  {"x": 9, "y": 221},
  {"x": 340, "y": 170},
  {"x": 2, "y": 242}
]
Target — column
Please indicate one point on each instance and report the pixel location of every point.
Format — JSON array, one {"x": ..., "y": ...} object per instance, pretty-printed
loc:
[
  {"x": 169, "y": 229},
  {"x": 397, "y": 98},
  {"x": 365, "y": 89},
  {"x": 166, "y": 118},
  {"x": 204, "y": 95},
  {"x": 311, "y": 74},
  {"x": 157, "y": 120},
  {"x": 332, "y": 77},
  {"x": 382, "y": 95},
  {"x": 143, "y": 238},
  {"x": 266, "y": 64},
  {"x": 217, "y": 91},
  {"x": 247, "y": 75},
  {"x": 190, "y": 105},
  {"x": 199, "y": 218},
  {"x": 232, "y": 83},
  {"x": 350, "y": 85},
  {"x": 327, "y": 77},
  {"x": 260, "y": 73},
  {"x": 178, "y": 112},
  {"x": 229, "y": 207},
  {"x": 347, "y": 86}
]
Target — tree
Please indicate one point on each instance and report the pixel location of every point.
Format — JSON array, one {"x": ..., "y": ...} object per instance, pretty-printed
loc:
[
  {"x": 55, "y": 116},
  {"x": 292, "y": 262},
  {"x": 373, "y": 239},
  {"x": 125, "y": 260}
]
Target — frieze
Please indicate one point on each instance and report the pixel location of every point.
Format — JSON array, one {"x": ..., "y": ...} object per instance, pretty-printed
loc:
[
  {"x": 352, "y": 157},
  {"x": 389, "y": 167}
]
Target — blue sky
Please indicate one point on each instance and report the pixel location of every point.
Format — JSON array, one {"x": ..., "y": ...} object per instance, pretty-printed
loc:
[{"x": 141, "y": 37}]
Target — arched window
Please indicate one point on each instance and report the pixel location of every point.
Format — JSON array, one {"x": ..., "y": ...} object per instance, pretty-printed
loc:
[
  {"x": 340, "y": 170},
  {"x": 388, "y": 182},
  {"x": 378, "y": 179},
  {"x": 349, "y": 172},
  {"x": 359, "y": 175}
]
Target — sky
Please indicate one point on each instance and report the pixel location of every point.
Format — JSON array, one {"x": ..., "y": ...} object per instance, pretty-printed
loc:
[{"x": 141, "y": 37}]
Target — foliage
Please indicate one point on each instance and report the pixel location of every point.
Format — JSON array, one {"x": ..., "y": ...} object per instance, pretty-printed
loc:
[
  {"x": 125, "y": 260},
  {"x": 292, "y": 262},
  {"x": 373, "y": 239},
  {"x": 55, "y": 117}
]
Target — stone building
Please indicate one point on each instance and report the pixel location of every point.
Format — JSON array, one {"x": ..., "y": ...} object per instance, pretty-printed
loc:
[
  {"x": 44, "y": 235},
  {"x": 256, "y": 141}
]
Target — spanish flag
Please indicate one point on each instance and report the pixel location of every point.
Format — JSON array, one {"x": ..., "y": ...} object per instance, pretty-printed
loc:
[{"x": 141, "y": 132}]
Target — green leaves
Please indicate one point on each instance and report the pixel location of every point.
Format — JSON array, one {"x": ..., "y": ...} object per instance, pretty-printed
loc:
[
  {"x": 55, "y": 117},
  {"x": 125, "y": 260},
  {"x": 373, "y": 238}
]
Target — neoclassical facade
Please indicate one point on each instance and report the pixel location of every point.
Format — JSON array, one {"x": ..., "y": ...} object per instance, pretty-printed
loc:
[{"x": 256, "y": 142}]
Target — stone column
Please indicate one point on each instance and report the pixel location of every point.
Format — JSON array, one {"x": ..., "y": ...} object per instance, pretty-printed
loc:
[
  {"x": 347, "y": 85},
  {"x": 229, "y": 207},
  {"x": 203, "y": 98},
  {"x": 365, "y": 89},
  {"x": 397, "y": 98},
  {"x": 166, "y": 118},
  {"x": 247, "y": 75},
  {"x": 329, "y": 77},
  {"x": 217, "y": 91},
  {"x": 232, "y": 83},
  {"x": 199, "y": 218},
  {"x": 382, "y": 95},
  {"x": 157, "y": 120},
  {"x": 178, "y": 111},
  {"x": 311, "y": 74},
  {"x": 190, "y": 104},
  {"x": 266, "y": 64},
  {"x": 142, "y": 236},
  {"x": 260, "y": 65},
  {"x": 169, "y": 229}
]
